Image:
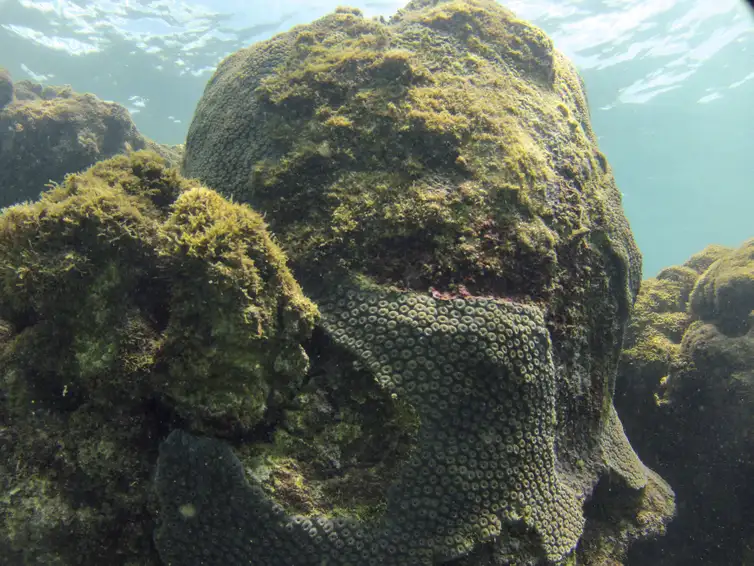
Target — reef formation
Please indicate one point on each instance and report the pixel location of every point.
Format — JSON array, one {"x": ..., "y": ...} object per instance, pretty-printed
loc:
[
  {"x": 47, "y": 132},
  {"x": 441, "y": 163},
  {"x": 382, "y": 325},
  {"x": 685, "y": 388},
  {"x": 131, "y": 301}
]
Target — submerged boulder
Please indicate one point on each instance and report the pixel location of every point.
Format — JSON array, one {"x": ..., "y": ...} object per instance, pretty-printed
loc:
[
  {"x": 686, "y": 393},
  {"x": 6, "y": 88},
  {"x": 47, "y": 132},
  {"x": 132, "y": 301},
  {"x": 437, "y": 187}
]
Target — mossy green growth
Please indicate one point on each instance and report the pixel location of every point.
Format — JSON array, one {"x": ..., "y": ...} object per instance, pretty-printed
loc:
[
  {"x": 336, "y": 448},
  {"x": 131, "y": 299},
  {"x": 725, "y": 293},
  {"x": 6, "y": 88},
  {"x": 702, "y": 260},
  {"x": 691, "y": 411},
  {"x": 420, "y": 151},
  {"x": 142, "y": 281},
  {"x": 355, "y": 90},
  {"x": 659, "y": 320},
  {"x": 662, "y": 314},
  {"x": 657, "y": 325},
  {"x": 48, "y": 131},
  {"x": 653, "y": 345}
]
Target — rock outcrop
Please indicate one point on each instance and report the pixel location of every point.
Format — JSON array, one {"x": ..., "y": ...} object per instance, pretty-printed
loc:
[
  {"x": 132, "y": 301},
  {"x": 686, "y": 393},
  {"x": 438, "y": 189},
  {"x": 47, "y": 132}
]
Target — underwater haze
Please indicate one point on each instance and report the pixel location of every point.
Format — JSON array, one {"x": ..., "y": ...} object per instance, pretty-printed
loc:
[{"x": 669, "y": 83}]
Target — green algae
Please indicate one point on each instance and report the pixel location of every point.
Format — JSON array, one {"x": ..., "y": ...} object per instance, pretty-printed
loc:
[
  {"x": 131, "y": 300},
  {"x": 447, "y": 150},
  {"x": 336, "y": 448},
  {"x": 724, "y": 293},
  {"x": 685, "y": 390},
  {"x": 63, "y": 131},
  {"x": 473, "y": 102}
]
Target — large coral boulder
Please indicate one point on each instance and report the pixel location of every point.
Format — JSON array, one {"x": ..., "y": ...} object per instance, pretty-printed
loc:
[
  {"x": 47, "y": 132},
  {"x": 686, "y": 393},
  {"x": 449, "y": 147},
  {"x": 436, "y": 184},
  {"x": 132, "y": 301}
]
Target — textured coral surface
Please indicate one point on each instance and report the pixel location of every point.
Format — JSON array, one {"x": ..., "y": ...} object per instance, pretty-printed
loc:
[
  {"x": 480, "y": 376},
  {"x": 439, "y": 160},
  {"x": 131, "y": 301}
]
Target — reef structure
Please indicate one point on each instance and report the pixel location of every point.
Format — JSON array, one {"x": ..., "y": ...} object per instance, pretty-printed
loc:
[
  {"x": 436, "y": 185},
  {"x": 47, "y": 132},
  {"x": 479, "y": 374},
  {"x": 685, "y": 388},
  {"x": 132, "y": 301},
  {"x": 6, "y": 88}
]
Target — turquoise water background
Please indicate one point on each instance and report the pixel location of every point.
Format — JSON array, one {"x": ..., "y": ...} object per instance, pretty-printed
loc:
[{"x": 670, "y": 85}]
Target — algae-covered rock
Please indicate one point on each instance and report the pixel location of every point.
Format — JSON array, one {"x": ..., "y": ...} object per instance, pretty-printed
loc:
[
  {"x": 47, "y": 132},
  {"x": 444, "y": 148},
  {"x": 132, "y": 301},
  {"x": 6, "y": 88},
  {"x": 685, "y": 391},
  {"x": 436, "y": 184},
  {"x": 652, "y": 347},
  {"x": 724, "y": 295}
]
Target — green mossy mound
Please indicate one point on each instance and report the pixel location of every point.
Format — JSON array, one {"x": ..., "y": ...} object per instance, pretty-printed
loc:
[
  {"x": 132, "y": 301},
  {"x": 47, "y": 132},
  {"x": 725, "y": 293},
  {"x": 685, "y": 391},
  {"x": 447, "y": 150},
  {"x": 6, "y": 88},
  {"x": 134, "y": 280},
  {"x": 450, "y": 146}
]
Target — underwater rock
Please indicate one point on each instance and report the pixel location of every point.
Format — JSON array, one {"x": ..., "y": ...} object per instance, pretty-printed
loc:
[
  {"x": 50, "y": 131},
  {"x": 487, "y": 466},
  {"x": 686, "y": 393},
  {"x": 132, "y": 301},
  {"x": 6, "y": 88},
  {"x": 443, "y": 159}
]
